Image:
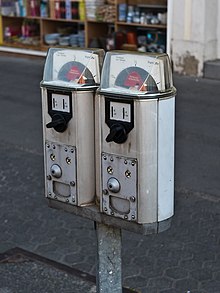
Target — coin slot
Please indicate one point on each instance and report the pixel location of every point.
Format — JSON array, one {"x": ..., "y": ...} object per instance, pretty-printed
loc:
[
  {"x": 119, "y": 205},
  {"x": 61, "y": 189}
]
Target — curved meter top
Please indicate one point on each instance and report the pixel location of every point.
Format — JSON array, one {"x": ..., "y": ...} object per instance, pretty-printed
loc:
[
  {"x": 136, "y": 74},
  {"x": 73, "y": 68}
]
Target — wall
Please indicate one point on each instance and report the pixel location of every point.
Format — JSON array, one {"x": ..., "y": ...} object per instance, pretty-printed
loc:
[
  {"x": 218, "y": 32},
  {"x": 194, "y": 35}
]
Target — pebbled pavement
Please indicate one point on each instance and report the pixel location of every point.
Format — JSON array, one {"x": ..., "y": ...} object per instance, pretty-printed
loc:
[{"x": 184, "y": 259}]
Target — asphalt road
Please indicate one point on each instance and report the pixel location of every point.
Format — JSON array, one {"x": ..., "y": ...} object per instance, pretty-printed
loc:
[{"x": 185, "y": 258}]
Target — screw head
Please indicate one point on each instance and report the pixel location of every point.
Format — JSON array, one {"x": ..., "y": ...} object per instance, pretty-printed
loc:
[
  {"x": 105, "y": 209},
  {"x": 72, "y": 183},
  {"x": 132, "y": 199},
  {"x": 125, "y": 217},
  {"x": 49, "y": 177},
  {"x": 128, "y": 173},
  {"x": 112, "y": 213},
  {"x": 110, "y": 170},
  {"x": 52, "y": 157},
  {"x": 67, "y": 200},
  {"x": 133, "y": 217},
  {"x": 68, "y": 160}
]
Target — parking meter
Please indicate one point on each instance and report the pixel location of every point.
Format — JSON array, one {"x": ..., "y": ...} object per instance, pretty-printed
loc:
[
  {"x": 135, "y": 137},
  {"x": 70, "y": 80}
]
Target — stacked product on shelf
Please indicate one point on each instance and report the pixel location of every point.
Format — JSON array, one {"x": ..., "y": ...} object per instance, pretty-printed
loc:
[
  {"x": 13, "y": 8},
  {"x": 68, "y": 9},
  {"x": 73, "y": 40},
  {"x": 92, "y": 7},
  {"x": 101, "y": 10}
]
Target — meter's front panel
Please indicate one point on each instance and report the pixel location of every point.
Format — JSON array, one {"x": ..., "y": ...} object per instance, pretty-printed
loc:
[
  {"x": 68, "y": 121},
  {"x": 128, "y": 187},
  {"x": 61, "y": 183}
]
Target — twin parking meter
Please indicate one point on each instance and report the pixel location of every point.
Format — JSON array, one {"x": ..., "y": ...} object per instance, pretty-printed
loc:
[
  {"x": 70, "y": 80},
  {"x": 109, "y": 145},
  {"x": 109, "y": 138},
  {"x": 135, "y": 137}
]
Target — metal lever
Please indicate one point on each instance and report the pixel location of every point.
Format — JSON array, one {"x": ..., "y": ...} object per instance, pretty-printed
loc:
[
  {"x": 117, "y": 134},
  {"x": 58, "y": 123}
]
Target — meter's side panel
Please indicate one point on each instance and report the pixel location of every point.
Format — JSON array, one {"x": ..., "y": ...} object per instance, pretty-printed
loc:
[
  {"x": 146, "y": 131},
  {"x": 166, "y": 126},
  {"x": 44, "y": 114},
  {"x": 84, "y": 119},
  {"x": 98, "y": 146}
]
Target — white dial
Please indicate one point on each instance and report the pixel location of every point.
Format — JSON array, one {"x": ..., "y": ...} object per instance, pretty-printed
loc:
[
  {"x": 87, "y": 60},
  {"x": 137, "y": 69}
]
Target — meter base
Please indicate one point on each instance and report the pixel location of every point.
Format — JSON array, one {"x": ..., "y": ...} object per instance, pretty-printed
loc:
[{"x": 92, "y": 213}]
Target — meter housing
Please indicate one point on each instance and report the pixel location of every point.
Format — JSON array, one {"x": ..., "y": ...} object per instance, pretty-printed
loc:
[
  {"x": 70, "y": 79},
  {"x": 135, "y": 108}
]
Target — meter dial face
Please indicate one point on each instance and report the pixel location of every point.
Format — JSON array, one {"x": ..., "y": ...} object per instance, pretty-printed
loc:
[
  {"x": 75, "y": 71},
  {"x": 77, "y": 66},
  {"x": 139, "y": 72},
  {"x": 136, "y": 78}
]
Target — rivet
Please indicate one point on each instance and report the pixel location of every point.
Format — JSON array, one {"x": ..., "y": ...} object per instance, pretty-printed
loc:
[
  {"x": 125, "y": 217},
  {"x": 49, "y": 193},
  {"x": 55, "y": 196},
  {"x": 111, "y": 159},
  {"x": 73, "y": 199},
  {"x": 54, "y": 147},
  {"x": 133, "y": 163},
  {"x": 72, "y": 150},
  {"x": 104, "y": 157},
  {"x": 112, "y": 213},
  {"x": 67, "y": 200},
  {"x": 125, "y": 161},
  {"x": 49, "y": 177},
  {"x": 48, "y": 145},
  {"x": 66, "y": 149},
  {"x": 105, "y": 209},
  {"x": 133, "y": 217}
]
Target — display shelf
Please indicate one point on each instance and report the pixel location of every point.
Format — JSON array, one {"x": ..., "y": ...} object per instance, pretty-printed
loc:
[
  {"x": 22, "y": 46},
  {"x": 100, "y": 30},
  {"x": 154, "y": 26}
]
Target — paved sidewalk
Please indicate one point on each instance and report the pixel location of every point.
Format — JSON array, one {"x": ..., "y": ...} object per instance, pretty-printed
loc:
[{"x": 186, "y": 258}]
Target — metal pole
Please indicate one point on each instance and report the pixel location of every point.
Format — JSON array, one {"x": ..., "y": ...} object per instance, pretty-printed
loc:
[{"x": 108, "y": 275}]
